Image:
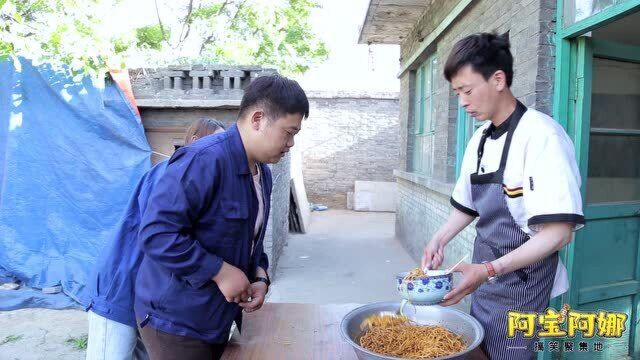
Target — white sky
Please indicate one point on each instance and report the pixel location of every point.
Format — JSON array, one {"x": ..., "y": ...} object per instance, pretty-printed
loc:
[{"x": 350, "y": 66}]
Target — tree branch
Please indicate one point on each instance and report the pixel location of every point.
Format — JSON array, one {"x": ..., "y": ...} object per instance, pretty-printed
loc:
[
  {"x": 206, "y": 42},
  {"x": 164, "y": 36},
  {"x": 209, "y": 39},
  {"x": 186, "y": 24}
]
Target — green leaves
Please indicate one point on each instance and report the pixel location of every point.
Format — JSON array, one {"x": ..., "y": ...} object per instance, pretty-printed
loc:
[
  {"x": 274, "y": 34},
  {"x": 149, "y": 36}
]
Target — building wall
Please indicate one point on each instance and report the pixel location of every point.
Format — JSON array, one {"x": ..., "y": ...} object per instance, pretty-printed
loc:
[
  {"x": 530, "y": 24},
  {"x": 348, "y": 137},
  {"x": 278, "y": 228}
]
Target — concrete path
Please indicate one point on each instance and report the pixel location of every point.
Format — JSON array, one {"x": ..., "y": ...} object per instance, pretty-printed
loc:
[{"x": 347, "y": 257}]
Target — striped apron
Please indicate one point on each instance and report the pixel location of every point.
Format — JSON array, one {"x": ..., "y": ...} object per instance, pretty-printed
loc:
[{"x": 524, "y": 290}]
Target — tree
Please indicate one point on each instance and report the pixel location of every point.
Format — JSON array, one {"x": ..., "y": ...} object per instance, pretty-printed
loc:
[
  {"x": 274, "y": 33},
  {"x": 61, "y": 32}
]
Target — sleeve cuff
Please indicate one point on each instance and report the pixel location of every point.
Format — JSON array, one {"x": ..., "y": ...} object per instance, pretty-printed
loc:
[
  {"x": 210, "y": 268},
  {"x": 463, "y": 208},
  {"x": 535, "y": 223},
  {"x": 264, "y": 262}
]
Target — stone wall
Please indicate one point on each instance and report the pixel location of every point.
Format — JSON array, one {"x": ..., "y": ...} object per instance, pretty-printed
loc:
[
  {"x": 278, "y": 228},
  {"x": 348, "y": 137}
]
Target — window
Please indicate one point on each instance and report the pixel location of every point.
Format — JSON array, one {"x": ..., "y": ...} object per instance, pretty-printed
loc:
[
  {"x": 424, "y": 116},
  {"x": 466, "y": 127},
  {"x": 576, "y": 10}
]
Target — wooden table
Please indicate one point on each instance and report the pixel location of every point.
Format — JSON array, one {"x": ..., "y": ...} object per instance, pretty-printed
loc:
[{"x": 295, "y": 331}]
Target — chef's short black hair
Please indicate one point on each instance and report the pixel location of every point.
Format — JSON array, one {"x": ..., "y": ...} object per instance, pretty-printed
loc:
[
  {"x": 277, "y": 95},
  {"x": 485, "y": 52}
]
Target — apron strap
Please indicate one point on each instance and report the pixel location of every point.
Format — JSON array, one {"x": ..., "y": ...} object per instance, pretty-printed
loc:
[
  {"x": 515, "y": 119},
  {"x": 487, "y": 132}
]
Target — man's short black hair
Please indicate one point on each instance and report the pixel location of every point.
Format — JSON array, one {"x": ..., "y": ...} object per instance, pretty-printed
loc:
[
  {"x": 485, "y": 52},
  {"x": 278, "y": 96}
]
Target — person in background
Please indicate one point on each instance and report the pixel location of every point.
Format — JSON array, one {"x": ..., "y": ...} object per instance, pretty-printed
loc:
[{"x": 112, "y": 326}]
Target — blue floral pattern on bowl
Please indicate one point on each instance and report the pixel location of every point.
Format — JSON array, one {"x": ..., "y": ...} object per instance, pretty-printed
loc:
[{"x": 425, "y": 291}]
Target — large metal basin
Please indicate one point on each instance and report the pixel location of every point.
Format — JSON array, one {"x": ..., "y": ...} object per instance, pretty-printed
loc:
[{"x": 454, "y": 320}]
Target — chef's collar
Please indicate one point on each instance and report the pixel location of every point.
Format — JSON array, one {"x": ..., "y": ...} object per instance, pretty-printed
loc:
[{"x": 497, "y": 131}]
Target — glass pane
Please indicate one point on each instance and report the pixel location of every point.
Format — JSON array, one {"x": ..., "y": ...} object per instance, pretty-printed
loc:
[
  {"x": 417, "y": 154},
  {"x": 426, "y": 121},
  {"x": 418, "y": 117},
  {"x": 472, "y": 126},
  {"x": 434, "y": 74},
  {"x": 576, "y": 10},
  {"x": 477, "y": 124},
  {"x": 428, "y": 114},
  {"x": 615, "y": 101},
  {"x": 614, "y": 171},
  {"x": 434, "y": 85},
  {"x": 427, "y": 154},
  {"x": 427, "y": 80}
]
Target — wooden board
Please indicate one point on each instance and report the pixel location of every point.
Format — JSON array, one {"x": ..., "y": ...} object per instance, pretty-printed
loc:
[
  {"x": 296, "y": 331},
  {"x": 292, "y": 331},
  {"x": 299, "y": 192}
]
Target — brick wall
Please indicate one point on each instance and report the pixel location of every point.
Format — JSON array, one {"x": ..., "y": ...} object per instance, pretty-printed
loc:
[
  {"x": 421, "y": 209},
  {"x": 348, "y": 137}
]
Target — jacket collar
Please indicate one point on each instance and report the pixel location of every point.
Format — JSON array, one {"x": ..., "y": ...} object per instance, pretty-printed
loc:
[{"x": 238, "y": 152}]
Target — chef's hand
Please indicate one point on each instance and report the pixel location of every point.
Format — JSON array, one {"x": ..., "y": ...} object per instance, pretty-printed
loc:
[
  {"x": 233, "y": 283},
  {"x": 434, "y": 252},
  {"x": 473, "y": 275},
  {"x": 258, "y": 293}
]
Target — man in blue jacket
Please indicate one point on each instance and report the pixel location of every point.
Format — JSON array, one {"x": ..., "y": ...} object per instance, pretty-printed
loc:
[
  {"x": 202, "y": 232},
  {"x": 113, "y": 331}
]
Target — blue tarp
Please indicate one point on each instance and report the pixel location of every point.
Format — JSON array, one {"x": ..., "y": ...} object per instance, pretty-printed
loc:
[{"x": 71, "y": 153}]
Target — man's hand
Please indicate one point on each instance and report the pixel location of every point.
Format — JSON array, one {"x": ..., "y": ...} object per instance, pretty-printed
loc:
[
  {"x": 433, "y": 253},
  {"x": 258, "y": 293},
  {"x": 474, "y": 275},
  {"x": 233, "y": 283}
]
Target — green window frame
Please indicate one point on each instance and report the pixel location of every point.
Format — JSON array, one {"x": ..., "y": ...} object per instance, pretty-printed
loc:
[
  {"x": 424, "y": 115},
  {"x": 466, "y": 126}
]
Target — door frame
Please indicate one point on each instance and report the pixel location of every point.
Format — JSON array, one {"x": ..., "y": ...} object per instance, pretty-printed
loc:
[
  {"x": 586, "y": 50},
  {"x": 571, "y": 106}
]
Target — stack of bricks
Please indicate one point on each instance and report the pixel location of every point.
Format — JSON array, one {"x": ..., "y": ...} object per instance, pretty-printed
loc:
[{"x": 197, "y": 81}]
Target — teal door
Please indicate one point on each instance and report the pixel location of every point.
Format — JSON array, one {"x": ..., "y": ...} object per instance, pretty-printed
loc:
[{"x": 604, "y": 122}]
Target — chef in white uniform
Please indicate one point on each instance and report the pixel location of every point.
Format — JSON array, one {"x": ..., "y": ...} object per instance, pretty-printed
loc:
[{"x": 520, "y": 179}]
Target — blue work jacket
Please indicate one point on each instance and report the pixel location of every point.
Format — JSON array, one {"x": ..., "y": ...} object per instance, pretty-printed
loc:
[
  {"x": 201, "y": 212},
  {"x": 110, "y": 286}
]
